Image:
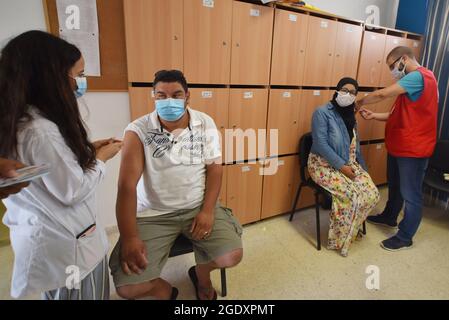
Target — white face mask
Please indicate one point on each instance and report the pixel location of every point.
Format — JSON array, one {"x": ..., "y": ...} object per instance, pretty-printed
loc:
[
  {"x": 345, "y": 99},
  {"x": 398, "y": 75}
]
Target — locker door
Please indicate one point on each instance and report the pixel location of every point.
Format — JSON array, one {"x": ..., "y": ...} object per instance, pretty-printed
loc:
[
  {"x": 310, "y": 101},
  {"x": 371, "y": 59},
  {"x": 289, "y": 47},
  {"x": 222, "y": 197},
  {"x": 215, "y": 103},
  {"x": 364, "y": 127},
  {"x": 207, "y": 44},
  {"x": 248, "y": 112},
  {"x": 278, "y": 188},
  {"x": 283, "y": 115},
  {"x": 140, "y": 102},
  {"x": 154, "y": 37},
  {"x": 244, "y": 191},
  {"x": 252, "y": 28},
  {"x": 378, "y": 163},
  {"x": 347, "y": 52},
  {"x": 321, "y": 41},
  {"x": 391, "y": 43}
]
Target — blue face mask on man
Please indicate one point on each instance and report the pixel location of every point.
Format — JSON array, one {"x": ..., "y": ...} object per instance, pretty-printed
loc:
[
  {"x": 81, "y": 83},
  {"x": 170, "y": 109}
]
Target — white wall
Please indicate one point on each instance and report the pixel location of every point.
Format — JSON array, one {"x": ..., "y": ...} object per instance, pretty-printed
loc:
[
  {"x": 106, "y": 114},
  {"x": 355, "y": 9}
]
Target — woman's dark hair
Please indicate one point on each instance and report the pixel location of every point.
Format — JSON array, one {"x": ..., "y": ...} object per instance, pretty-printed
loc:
[{"x": 34, "y": 71}]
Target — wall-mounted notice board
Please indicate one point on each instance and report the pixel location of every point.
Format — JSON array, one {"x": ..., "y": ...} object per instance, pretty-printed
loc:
[{"x": 114, "y": 74}]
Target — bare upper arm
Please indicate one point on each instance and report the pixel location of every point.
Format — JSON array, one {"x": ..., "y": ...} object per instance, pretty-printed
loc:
[
  {"x": 392, "y": 91},
  {"x": 133, "y": 161}
]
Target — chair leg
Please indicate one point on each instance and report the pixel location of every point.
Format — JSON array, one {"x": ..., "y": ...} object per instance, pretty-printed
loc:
[
  {"x": 318, "y": 229},
  {"x": 364, "y": 228},
  {"x": 224, "y": 287},
  {"x": 298, "y": 193}
]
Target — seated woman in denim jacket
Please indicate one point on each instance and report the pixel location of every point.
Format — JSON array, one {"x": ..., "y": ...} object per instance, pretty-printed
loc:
[{"x": 336, "y": 164}]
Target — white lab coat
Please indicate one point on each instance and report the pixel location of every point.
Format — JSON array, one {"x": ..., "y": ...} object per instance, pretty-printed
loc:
[{"x": 45, "y": 218}]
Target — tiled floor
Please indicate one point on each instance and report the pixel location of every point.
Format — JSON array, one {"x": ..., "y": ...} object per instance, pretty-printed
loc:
[{"x": 281, "y": 262}]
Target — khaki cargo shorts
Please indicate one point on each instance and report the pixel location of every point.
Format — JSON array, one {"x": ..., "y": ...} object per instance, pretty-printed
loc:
[{"x": 160, "y": 232}]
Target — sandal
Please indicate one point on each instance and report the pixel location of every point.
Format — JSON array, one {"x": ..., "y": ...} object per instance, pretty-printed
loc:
[{"x": 194, "y": 278}]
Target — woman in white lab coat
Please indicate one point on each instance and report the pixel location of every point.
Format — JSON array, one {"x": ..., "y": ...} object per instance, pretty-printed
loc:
[{"x": 59, "y": 244}]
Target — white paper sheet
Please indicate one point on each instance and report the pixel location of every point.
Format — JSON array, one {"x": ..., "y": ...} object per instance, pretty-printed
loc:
[{"x": 78, "y": 24}]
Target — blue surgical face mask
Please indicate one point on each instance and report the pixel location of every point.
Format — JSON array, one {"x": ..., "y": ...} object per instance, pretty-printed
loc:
[
  {"x": 81, "y": 83},
  {"x": 170, "y": 109}
]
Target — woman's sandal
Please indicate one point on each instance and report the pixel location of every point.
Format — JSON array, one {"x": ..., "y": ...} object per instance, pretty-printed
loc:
[{"x": 194, "y": 278}]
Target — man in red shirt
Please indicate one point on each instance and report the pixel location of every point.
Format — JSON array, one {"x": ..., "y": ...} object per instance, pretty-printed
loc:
[{"x": 410, "y": 138}]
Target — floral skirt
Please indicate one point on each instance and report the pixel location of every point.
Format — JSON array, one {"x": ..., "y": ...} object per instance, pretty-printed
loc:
[{"x": 352, "y": 200}]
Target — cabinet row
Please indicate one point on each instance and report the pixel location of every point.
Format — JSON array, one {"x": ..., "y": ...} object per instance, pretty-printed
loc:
[
  {"x": 254, "y": 197},
  {"x": 232, "y": 42},
  {"x": 288, "y": 112}
]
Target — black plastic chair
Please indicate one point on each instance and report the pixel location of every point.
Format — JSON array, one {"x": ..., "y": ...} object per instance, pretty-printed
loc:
[
  {"x": 182, "y": 246},
  {"x": 305, "y": 144},
  {"x": 438, "y": 165}
]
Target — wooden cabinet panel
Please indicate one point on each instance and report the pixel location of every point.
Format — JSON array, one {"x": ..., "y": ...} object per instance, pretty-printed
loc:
[
  {"x": 378, "y": 129},
  {"x": 310, "y": 101},
  {"x": 244, "y": 191},
  {"x": 390, "y": 43},
  {"x": 222, "y": 198},
  {"x": 364, "y": 127},
  {"x": 371, "y": 59},
  {"x": 154, "y": 37},
  {"x": 140, "y": 102},
  {"x": 252, "y": 27},
  {"x": 289, "y": 47},
  {"x": 416, "y": 46},
  {"x": 377, "y": 163},
  {"x": 307, "y": 197},
  {"x": 213, "y": 101},
  {"x": 321, "y": 41},
  {"x": 247, "y": 110},
  {"x": 347, "y": 52},
  {"x": 207, "y": 41},
  {"x": 278, "y": 188},
  {"x": 284, "y": 116}
]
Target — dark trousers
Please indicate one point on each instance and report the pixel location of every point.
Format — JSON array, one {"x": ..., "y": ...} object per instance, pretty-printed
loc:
[{"x": 405, "y": 180}]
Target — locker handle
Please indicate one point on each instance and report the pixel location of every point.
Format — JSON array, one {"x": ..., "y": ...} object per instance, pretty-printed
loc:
[
  {"x": 295, "y": 122},
  {"x": 237, "y": 45},
  {"x": 224, "y": 43},
  {"x": 330, "y": 54},
  {"x": 175, "y": 37}
]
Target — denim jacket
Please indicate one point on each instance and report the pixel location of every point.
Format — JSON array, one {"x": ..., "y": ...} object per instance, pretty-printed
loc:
[{"x": 331, "y": 139}]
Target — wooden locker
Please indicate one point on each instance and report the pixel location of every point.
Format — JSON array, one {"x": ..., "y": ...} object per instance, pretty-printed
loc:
[
  {"x": 416, "y": 46},
  {"x": 289, "y": 48},
  {"x": 378, "y": 163},
  {"x": 391, "y": 42},
  {"x": 252, "y": 28},
  {"x": 154, "y": 37},
  {"x": 371, "y": 59},
  {"x": 207, "y": 41},
  {"x": 283, "y": 115},
  {"x": 321, "y": 42},
  {"x": 222, "y": 197},
  {"x": 364, "y": 127},
  {"x": 247, "y": 110},
  {"x": 347, "y": 52},
  {"x": 364, "y": 149},
  {"x": 307, "y": 197},
  {"x": 244, "y": 191},
  {"x": 310, "y": 101},
  {"x": 378, "y": 129},
  {"x": 140, "y": 102},
  {"x": 278, "y": 187},
  {"x": 215, "y": 103}
]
